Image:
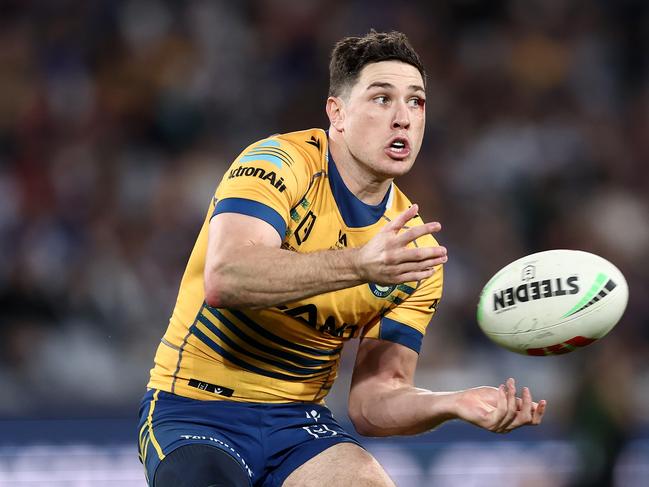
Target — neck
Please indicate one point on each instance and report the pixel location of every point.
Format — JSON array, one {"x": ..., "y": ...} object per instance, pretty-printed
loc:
[{"x": 367, "y": 186}]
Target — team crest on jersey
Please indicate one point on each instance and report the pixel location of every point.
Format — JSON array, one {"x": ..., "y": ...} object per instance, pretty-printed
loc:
[{"x": 381, "y": 291}]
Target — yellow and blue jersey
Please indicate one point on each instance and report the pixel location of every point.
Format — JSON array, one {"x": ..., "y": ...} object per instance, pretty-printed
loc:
[{"x": 290, "y": 352}]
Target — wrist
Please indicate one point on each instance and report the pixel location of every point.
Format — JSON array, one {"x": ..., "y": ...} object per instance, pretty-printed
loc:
[
  {"x": 353, "y": 258},
  {"x": 447, "y": 405}
]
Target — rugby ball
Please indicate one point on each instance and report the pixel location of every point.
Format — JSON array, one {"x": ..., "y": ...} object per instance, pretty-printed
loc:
[{"x": 552, "y": 302}]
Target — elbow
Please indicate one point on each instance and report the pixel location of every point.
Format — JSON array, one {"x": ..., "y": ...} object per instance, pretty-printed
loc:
[
  {"x": 214, "y": 295},
  {"x": 215, "y": 287},
  {"x": 361, "y": 421},
  {"x": 363, "y": 428}
]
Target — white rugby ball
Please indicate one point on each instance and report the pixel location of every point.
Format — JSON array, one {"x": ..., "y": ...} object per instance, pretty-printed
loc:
[{"x": 552, "y": 302}]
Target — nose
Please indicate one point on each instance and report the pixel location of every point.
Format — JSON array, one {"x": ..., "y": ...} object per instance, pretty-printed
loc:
[{"x": 401, "y": 118}]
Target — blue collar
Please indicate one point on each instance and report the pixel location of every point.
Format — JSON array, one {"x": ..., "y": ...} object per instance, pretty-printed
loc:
[{"x": 355, "y": 213}]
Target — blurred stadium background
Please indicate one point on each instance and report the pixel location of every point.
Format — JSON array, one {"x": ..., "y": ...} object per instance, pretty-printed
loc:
[{"x": 118, "y": 118}]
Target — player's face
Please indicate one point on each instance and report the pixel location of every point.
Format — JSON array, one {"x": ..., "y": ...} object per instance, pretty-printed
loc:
[{"x": 384, "y": 118}]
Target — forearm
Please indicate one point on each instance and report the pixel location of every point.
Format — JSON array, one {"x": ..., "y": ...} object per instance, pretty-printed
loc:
[
  {"x": 264, "y": 276},
  {"x": 403, "y": 410}
]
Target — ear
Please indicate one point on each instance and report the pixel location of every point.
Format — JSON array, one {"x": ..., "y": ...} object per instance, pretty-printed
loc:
[{"x": 336, "y": 112}]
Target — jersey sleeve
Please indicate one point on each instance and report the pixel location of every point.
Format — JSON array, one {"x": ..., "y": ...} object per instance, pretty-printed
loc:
[
  {"x": 406, "y": 323},
  {"x": 265, "y": 181}
]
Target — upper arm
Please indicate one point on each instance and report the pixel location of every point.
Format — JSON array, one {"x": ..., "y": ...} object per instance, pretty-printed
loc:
[
  {"x": 380, "y": 365},
  {"x": 380, "y": 360},
  {"x": 253, "y": 202},
  {"x": 228, "y": 232}
]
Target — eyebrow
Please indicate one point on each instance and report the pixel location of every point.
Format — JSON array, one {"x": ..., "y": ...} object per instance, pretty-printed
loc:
[{"x": 386, "y": 85}]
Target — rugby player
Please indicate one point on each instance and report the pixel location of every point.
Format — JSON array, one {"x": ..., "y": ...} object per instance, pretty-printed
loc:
[{"x": 306, "y": 244}]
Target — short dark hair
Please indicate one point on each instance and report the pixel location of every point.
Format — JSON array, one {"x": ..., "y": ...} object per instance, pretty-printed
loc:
[{"x": 351, "y": 54}]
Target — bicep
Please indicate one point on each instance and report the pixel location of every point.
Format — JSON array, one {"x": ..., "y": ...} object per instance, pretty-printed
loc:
[
  {"x": 229, "y": 232},
  {"x": 381, "y": 364},
  {"x": 238, "y": 229}
]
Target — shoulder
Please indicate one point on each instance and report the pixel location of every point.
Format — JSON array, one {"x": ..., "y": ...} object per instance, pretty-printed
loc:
[
  {"x": 293, "y": 157},
  {"x": 309, "y": 146}
]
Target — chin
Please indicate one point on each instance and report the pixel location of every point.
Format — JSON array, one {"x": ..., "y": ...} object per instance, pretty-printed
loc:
[{"x": 395, "y": 168}]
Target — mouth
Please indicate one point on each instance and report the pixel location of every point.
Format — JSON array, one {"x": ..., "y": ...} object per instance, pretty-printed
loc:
[{"x": 398, "y": 148}]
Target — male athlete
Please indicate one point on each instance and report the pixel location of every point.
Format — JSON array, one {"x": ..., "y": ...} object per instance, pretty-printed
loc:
[{"x": 306, "y": 244}]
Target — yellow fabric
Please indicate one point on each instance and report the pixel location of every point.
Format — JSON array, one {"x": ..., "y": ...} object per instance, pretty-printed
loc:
[{"x": 285, "y": 353}]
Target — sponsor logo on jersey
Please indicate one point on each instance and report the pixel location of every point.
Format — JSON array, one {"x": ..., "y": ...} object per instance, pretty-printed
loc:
[
  {"x": 308, "y": 314},
  {"x": 303, "y": 230},
  {"x": 342, "y": 240},
  {"x": 314, "y": 142},
  {"x": 258, "y": 172},
  {"x": 206, "y": 386},
  {"x": 381, "y": 291},
  {"x": 534, "y": 290}
]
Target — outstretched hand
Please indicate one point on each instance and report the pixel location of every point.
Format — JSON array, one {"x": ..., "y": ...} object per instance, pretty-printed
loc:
[
  {"x": 498, "y": 409},
  {"x": 388, "y": 259}
]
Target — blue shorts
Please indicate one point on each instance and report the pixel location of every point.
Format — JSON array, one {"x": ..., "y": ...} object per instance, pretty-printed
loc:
[{"x": 269, "y": 440}]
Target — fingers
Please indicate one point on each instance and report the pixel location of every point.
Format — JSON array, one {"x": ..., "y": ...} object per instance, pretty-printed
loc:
[
  {"x": 400, "y": 221},
  {"x": 501, "y": 407},
  {"x": 422, "y": 257},
  {"x": 539, "y": 411},
  {"x": 412, "y": 234},
  {"x": 510, "y": 411},
  {"x": 524, "y": 412},
  {"x": 527, "y": 412},
  {"x": 398, "y": 260},
  {"x": 415, "y": 275}
]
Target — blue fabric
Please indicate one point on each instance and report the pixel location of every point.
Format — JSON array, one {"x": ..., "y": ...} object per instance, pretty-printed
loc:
[
  {"x": 355, "y": 213},
  {"x": 243, "y": 353},
  {"x": 260, "y": 330},
  {"x": 396, "y": 332},
  {"x": 252, "y": 208},
  {"x": 304, "y": 361},
  {"x": 268, "y": 440}
]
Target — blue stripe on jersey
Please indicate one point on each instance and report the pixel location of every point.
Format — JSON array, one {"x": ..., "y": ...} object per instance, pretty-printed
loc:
[
  {"x": 237, "y": 361},
  {"x": 355, "y": 213},
  {"x": 279, "y": 340},
  {"x": 396, "y": 332},
  {"x": 307, "y": 362},
  {"x": 237, "y": 348},
  {"x": 252, "y": 208},
  {"x": 406, "y": 289}
]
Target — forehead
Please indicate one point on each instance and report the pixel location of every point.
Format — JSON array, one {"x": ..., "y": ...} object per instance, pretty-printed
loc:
[{"x": 397, "y": 73}]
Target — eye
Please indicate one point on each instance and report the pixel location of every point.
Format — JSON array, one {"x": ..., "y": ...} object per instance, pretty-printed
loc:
[
  {"x": 381, "y": 100},
  {"x": 416, "y": 102}
]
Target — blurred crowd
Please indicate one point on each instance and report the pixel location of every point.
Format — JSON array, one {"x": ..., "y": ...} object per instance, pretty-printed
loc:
[{"x": 118, "y": 118}]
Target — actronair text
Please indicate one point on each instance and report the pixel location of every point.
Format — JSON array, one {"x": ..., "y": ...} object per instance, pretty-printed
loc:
[
  {"x": 258, "y": 172},
  {"x": 534, "y": 290}
]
